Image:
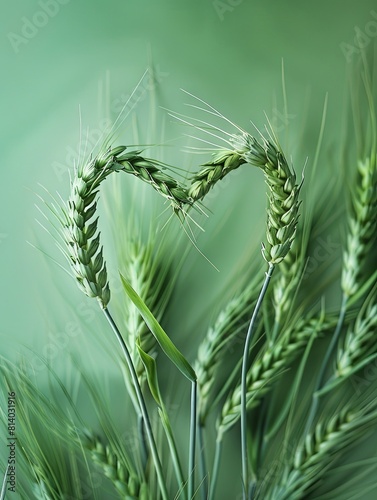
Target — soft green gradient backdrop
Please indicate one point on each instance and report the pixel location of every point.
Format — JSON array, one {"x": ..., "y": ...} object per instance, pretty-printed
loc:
[
  {"x": 231, "y": 58},
  {"x": 90, "y": 55}
]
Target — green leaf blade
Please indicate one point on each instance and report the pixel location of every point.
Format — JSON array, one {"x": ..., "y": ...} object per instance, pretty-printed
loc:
[
  {"x": 157, "y": 331},
  {"x": 151, "y": 370}
]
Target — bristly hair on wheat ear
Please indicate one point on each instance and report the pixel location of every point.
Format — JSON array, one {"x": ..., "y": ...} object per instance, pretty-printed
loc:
[{"x": 78, "y": 221}]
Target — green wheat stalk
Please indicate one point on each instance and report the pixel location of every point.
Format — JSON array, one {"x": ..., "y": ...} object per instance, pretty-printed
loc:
[
  {"x": 82, "y": 241},
  {"x": 282, "y": 211}
]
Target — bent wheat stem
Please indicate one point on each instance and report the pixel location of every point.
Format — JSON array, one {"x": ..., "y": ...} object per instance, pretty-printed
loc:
[
  {"x": 245, "y": 472},
  {"x": 143, "y": 407}
]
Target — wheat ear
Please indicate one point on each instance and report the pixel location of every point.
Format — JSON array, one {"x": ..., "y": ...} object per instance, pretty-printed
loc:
[
  {"x": 222, "y": 163},
  {"x": 80, "y": 228},
  {"x": 266, "y": 369},
  {"x": 319, "y": 450},
  {"x": 282, "y": 213},
  {"x": 83, "y": 251},
  {"x": 360, "y": 237},
  {"x": 285, "y": 287},
  {"x": 126, "y": 482},
  {"x": 362, "y": 226},
  {"x": 150, "y": 277},
  {"x": 359, "y": 343}
]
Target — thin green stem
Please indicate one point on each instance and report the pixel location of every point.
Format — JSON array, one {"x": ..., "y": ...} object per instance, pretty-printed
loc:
[
  {"x": 215, "y": 470},
  {"x": 143, "y": 407},
  {"x": 202, "y": 464},
  {"x": 174, "y": 452},
  {"x": 326, "y": 359},
  {"x": 141, "y": 432},
  {"x": 193, "y": 426},
  {"x": 245, "y": 469}
]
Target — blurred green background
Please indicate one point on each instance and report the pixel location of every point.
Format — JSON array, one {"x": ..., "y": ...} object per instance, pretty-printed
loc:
[
  {"x": 63, "y": 58},
  {"x": 228, "y": 53}
]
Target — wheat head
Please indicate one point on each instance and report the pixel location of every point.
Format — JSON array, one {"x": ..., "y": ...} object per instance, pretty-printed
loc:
[
  {"x": 80, "y": 227},
  {"x": 359, "y": 343},
  {"x": 319, "y": 450},
  {"x": 127, "y": 483},
  {"x": 268, "y": 366},
  {"x": 362, "y": 226}
]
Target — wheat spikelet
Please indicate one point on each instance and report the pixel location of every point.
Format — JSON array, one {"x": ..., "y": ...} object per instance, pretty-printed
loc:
[
  {"x": 315, "y": 455},
  {"x": 139, "y": 273},
  {"x": 359, "y": 343},
  {"x": 282, "y": 212},
  {"x": 244, "y": 149},
  {"x": 222, "y": 163},
  {"x": 80, "y": 227},
  {"x": 149, "y": 276},
  {"x": 268, "y": 366},
  {"x": 241, "y": 147},
  {"x": 362, "y": 226},
  {"x": 126, "y": 483},
  {"x": 286, "y": 285}
]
